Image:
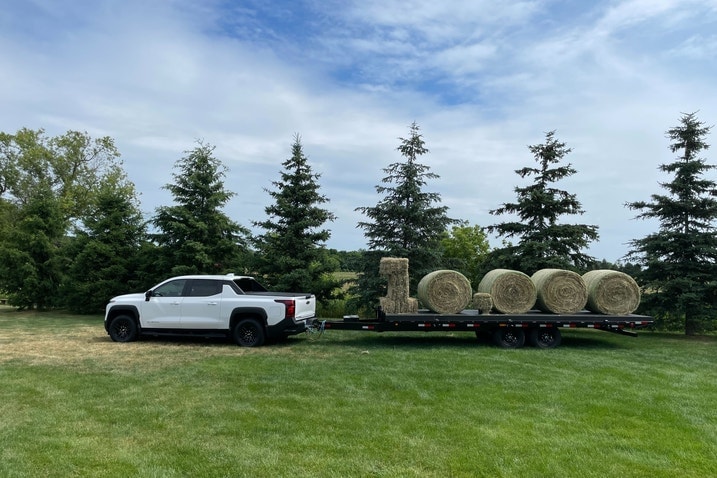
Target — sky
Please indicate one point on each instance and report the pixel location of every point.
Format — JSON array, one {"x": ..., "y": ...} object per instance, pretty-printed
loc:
[{"x": 482, "y": 79}]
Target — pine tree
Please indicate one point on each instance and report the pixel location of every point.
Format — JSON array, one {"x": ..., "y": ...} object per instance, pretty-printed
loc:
[
  {"x": 407, "y": 222},
  {"x": 543, "y": 240},
  {"x": 680, "y": 259},
  {"x": 31, "y": 255},
  {"x": 106, "y": 250},
  {"x": 195, "y": 236},
  {"x": 291, "y": 253}
]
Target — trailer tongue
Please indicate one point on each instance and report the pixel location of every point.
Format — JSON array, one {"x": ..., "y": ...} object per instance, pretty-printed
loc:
[{"x": 507, "y": 330}]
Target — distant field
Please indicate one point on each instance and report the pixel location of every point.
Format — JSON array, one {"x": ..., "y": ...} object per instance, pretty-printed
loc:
[
  {"x": 73, "y": 403},
  {"x": 345, "y": 275}
]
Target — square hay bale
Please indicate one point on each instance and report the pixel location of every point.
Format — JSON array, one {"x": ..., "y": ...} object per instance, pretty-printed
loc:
[
  {"x": 395, "y": 269},
  {"x": 393, "y": 306},
  {"x": 393, "y": 265}
]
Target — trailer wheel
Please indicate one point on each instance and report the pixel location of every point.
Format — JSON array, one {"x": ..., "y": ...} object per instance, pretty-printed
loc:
[
  {"x": 249, "y": 333},
  {"x": 545, "y": 338},
  {"x": 509, "y": 338}
]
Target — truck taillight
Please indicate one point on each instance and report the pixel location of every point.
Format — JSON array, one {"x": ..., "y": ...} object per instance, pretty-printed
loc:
[{"x": 290, "y": 307}]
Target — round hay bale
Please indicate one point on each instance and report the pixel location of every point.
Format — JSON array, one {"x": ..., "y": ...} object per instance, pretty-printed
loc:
[
  {"x": 482, "y": 302},
  {"x": 560, "y": 291},
  {"x": 611, "y": 292},
  {"x": 445, "y": 291},
  {"x": 512, "y": 291}
]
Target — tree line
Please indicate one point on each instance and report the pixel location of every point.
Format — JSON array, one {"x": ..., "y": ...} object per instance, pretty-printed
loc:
[{"x": 72, "y": 234}]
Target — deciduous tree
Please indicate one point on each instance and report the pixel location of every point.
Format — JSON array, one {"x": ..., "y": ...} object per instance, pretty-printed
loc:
[
  {"x": 47, "y": 185},
  {"x": 465, "y": 247}
]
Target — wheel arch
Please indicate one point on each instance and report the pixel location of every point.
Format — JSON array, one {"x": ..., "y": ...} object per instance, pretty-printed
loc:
[
  {"x": 121, "y": 309},
  {"x": 241, "y": 313}
]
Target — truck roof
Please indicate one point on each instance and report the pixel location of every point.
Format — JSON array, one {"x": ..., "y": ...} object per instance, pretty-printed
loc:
[{"x": 211, "y": 276}]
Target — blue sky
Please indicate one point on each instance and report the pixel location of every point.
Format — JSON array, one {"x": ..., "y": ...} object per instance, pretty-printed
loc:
[{"x": 483, "y": 80}]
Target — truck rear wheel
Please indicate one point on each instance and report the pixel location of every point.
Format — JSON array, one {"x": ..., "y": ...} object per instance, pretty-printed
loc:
[
  {"x": 509, "y": 337},
  {"x": 249, "y": 333},
  {"x": 123, "y": 328},
  {"x": 545, "y": 338}
]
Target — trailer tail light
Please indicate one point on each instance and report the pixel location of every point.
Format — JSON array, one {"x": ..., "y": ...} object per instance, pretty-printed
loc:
[{"x": 289, "y": 307}]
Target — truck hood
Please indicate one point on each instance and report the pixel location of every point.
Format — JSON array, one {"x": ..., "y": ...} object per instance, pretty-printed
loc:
[{"x": 128, "y": 297}]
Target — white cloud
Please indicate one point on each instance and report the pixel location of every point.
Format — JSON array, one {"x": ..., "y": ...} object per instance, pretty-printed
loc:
[{"x": 482, "y": 79}]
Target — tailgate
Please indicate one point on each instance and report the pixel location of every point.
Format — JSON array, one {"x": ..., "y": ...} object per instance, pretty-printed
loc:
[{"x": 305, "y": 307}]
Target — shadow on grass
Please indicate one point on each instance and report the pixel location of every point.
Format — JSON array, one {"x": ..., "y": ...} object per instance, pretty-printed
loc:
[
  {"x": 386, "y": 340},
  {"x": 407, "y": 340},
  {"x": 424, "y": 340},
  {"x": 598, "y": 342}
]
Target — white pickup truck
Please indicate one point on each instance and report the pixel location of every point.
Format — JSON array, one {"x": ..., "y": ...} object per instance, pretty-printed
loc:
[{"x": 210, "y": 305}]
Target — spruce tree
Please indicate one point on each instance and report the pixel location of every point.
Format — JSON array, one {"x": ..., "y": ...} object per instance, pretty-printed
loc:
[
  {"x": 31, "y": 254},
  {"x": 407, "y": 222},
  {"x": 106, "y": 249},
  {"x": 195, "y": 236},
  {"x": 291, "y": 253},
  {"x": 544, "y": 241},
  {"x": 680, "y": 259}
]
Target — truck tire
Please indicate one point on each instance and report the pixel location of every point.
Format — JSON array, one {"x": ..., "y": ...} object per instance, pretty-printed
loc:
[
  {"x": 545, "y": 338},
  {"x": 123, "y": 328},
  {"x": 509, "y": 337},
  {"x": 249, "y": 333}
]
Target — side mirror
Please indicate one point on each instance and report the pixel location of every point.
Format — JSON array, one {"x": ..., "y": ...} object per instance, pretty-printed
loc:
[{"x": 147, "y": 295}]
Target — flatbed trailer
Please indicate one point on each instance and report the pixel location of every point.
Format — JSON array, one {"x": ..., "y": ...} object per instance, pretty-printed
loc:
[{"x": 507, "y": 330}]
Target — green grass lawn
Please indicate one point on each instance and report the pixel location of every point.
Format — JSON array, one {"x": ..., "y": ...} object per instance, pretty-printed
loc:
[{"x": 73, "y": 403}]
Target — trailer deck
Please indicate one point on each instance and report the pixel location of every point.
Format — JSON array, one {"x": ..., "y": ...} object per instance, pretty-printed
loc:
[{"x": 508, "y": 330}]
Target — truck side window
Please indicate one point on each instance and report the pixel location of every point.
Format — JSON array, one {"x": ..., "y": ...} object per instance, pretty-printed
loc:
[
  {"x": 170, "y": 289},
  {"x": 204, "y": 288}
]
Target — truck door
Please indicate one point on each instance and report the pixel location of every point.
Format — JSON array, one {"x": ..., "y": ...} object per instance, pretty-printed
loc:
[
  {"x": 164, "y": 308},
  {"x": 201, "y": 308}
]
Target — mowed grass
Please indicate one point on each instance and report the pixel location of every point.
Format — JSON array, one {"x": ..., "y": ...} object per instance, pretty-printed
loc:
[{"x": 73, "y": 403}]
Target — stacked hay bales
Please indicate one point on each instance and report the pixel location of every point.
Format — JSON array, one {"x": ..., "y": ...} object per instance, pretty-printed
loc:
[
  {"x": 445, "y": 291},
  {"x": 559, "y": 291},
  {"x": 397, "y": 300},
  {"x": 512, "y": 292},
  {"x": 611, "y": 292}
]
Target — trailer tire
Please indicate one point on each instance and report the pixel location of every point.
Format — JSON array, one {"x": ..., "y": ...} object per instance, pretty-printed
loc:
[
  {"x": 545, "y": 338},
  {"x": 509, "y": 337},
  {"x": 249, "y": 333}
]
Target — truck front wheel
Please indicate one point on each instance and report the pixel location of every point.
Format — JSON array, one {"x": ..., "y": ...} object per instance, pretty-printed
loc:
[
  {"x": 249, "y": 333},
  {"x": 123, "y": 328},
  {"x": 509, "y": 338}
]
